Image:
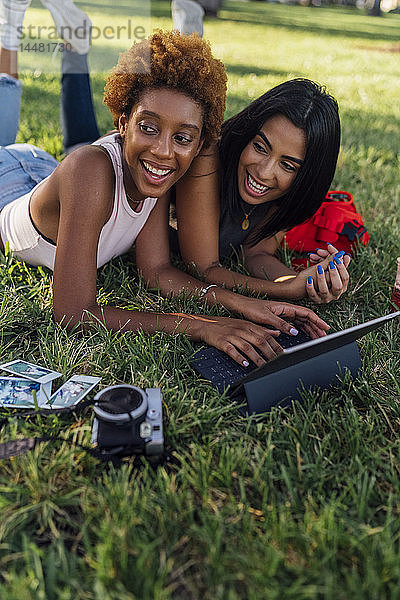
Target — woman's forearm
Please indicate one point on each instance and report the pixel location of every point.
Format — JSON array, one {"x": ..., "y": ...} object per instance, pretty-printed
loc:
[
  {"x": 118, "y": 319},
  {"x": 267, "y": 266},
  {"x": 231, "y": 279},
  {"x": 171, "y": 281}
]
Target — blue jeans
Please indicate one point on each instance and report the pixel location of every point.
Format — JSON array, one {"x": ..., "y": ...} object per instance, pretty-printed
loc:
[
  {"x": 22, "y": 166},
  {"x": 10, "y": 102},
  {"x": 78, "y": 121}
]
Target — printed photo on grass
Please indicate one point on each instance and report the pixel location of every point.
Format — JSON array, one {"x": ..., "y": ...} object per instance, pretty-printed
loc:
[
  {"x": 30, "y": 371},
  {"x": 18, "y": 393},
  {"x": 72, "y": 391}
]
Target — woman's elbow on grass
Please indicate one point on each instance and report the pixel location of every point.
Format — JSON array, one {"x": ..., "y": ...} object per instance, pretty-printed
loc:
[
  {"x": 209, "y": 270},
  {"x": 69, "y": 317},
  {"x": 155, "y": 274}
]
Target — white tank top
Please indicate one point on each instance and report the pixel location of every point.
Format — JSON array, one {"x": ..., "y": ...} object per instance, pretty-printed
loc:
[
  {"x": 116, "y": 237},
  {"x": 124, "y": 225}
]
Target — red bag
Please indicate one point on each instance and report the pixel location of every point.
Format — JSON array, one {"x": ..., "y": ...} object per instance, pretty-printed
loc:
[{"x": 336, "y": 221}]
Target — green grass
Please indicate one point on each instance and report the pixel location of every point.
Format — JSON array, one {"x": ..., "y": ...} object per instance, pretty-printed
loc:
[{"x": 301, "y": 503}]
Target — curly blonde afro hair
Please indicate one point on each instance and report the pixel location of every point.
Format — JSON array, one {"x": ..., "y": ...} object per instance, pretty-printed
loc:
[{"x": 169, "y": 59}]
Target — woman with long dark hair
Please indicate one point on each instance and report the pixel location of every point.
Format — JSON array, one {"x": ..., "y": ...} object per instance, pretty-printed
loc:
[{"x": 270, "y": 171}]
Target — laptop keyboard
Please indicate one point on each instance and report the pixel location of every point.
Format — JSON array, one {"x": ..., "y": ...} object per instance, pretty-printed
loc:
[{"x": 221, "y": 370}]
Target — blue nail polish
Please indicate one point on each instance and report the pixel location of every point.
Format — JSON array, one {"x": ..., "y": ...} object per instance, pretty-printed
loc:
[
  {"x": 320, "y": 269},
  {"x": 337, "y": 260},
  {"x": 309, "y": 279},
  {"x": 340, "y": 254},
  {"x": 331, "y": 265},
  {"x": 316, "y": 249}
]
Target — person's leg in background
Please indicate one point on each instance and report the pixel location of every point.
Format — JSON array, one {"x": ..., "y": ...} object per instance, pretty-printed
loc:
[
  {"x": 187, "y": 16},
  {"x": 10, "y": 102},
  {"x": 78, "y": 120},
  {"x": 22, "y": 166},
  {"x": 12, "y": 14}
]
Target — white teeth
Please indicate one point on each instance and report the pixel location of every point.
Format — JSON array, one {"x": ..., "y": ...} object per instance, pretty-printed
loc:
[
  {"x": 256, "y": 187},
  {"x": 159, "y": 172}
]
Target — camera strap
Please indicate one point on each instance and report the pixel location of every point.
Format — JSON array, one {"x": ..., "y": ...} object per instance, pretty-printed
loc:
[{"x": 22, "y": 446}]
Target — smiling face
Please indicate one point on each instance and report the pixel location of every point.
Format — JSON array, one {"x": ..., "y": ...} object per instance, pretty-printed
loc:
[
  {"x": 271, "y": 160},
  {"x": 160, "y": 139}
]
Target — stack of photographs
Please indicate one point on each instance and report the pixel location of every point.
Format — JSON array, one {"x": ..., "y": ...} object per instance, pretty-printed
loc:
[{"x": 29, "y": 386}]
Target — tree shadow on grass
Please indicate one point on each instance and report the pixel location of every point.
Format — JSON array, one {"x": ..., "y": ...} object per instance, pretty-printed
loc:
[
  {"x": 311, "y": 20},
  {"x": 370, "y": 129},
  {"x": 243, "y": 70},
  {"x": 160, "y": 9}
]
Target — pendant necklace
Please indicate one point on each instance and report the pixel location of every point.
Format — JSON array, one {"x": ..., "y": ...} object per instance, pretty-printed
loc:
[
  {"x": 246, "y": 221},
  {"x": 136, "y": 203},
  {"x": 133, "y": 203}
]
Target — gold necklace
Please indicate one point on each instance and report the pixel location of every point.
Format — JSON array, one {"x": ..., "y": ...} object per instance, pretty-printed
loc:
[
  {"x": 246, "y": 221},
  {"x": 132, "y": 201}
]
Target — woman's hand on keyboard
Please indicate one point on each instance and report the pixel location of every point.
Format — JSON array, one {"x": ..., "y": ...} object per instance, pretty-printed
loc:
[
  {"x": 271, "y": 313},
  {"x": 301, "y": 317},
  {"x": 241, "y": 340}
]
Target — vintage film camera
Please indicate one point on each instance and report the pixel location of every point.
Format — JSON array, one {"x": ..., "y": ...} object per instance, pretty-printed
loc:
[{"x": 128, "y": 420}]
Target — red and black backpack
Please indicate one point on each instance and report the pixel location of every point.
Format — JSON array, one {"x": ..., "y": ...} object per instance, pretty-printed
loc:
[{"x": 336, "y": 221}]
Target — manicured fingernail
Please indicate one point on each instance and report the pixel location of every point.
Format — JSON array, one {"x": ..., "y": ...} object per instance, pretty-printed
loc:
[
  {"x": 245, "y": 363},
  {"x": 293, "y": 331},
  {"x": 331, "y": 265},
  {"x": 340, "y": 254},
  {"x": 316, "y": 249},
  {"x": 320, "y": 269},
  {"x": 337, "y": 260},
  {"x": 309, "y": 280}
]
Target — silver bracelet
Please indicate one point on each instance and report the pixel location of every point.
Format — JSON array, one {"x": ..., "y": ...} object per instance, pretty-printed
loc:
[{"x": 204, "y": 290}]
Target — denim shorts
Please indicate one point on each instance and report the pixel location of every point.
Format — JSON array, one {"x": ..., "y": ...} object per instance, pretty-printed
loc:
[{"x": 22, "y": 166}]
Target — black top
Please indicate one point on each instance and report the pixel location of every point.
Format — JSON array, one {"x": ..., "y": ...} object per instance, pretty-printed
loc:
[{"x": 231, "y": 234}]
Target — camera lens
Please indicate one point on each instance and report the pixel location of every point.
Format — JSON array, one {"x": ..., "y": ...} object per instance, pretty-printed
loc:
[
  {"x": 120, "y": 403},
  {"x": 120, "y": 399}
]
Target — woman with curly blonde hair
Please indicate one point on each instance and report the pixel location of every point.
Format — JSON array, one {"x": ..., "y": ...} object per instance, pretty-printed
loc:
[{"x": 167, "y": 97}]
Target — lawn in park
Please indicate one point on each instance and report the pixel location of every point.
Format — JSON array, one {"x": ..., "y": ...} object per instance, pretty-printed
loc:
[{"x": 300, "y": 503}]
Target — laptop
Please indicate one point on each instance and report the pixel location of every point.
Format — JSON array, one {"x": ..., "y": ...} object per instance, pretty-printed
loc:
[{"x": 304, "y": 363}]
